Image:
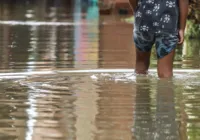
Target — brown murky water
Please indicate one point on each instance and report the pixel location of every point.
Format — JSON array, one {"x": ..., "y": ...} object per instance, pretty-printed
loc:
[{"x": 47, "y": 91}]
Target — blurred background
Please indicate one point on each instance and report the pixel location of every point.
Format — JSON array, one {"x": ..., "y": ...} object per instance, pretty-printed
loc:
[{"x": 79, "y": 34}]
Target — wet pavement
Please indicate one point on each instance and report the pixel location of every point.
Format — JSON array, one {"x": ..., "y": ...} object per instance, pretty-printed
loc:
[{"x": 67, "y": 74}]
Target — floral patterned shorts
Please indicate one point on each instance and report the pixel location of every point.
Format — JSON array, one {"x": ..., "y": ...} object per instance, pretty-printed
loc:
[{"x": 164, "y": 42}]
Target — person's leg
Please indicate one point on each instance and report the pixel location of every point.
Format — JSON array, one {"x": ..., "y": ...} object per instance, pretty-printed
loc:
[
  {"x": 142, "y": 62},
  {"x": 143, "y": 43},
  {"x": 165, "y": 46},
  {"x": 165, "y": 65}
]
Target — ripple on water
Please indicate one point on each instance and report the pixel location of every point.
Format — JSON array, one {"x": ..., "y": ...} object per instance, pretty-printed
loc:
[{"x": 110, "y": 105}]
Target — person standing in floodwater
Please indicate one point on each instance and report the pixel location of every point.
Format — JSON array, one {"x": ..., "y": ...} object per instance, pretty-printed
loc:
[{"x": 159, "y": 22}]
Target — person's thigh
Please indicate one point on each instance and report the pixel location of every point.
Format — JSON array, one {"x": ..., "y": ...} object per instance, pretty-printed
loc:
[
  {"x": 165, "y": 47},
  {"x": 143, "y": 41}
]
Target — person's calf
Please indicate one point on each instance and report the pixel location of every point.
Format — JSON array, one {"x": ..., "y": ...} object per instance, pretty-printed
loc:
[
  {"x": 165, "y": 66},
  {"x": 142, "y": 62},
  {"x": 142, "y": 67}
]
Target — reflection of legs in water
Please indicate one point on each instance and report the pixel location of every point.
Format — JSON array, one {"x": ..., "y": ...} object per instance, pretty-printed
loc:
[
  {"x": 166, "y": 126},
  {"x": 163, "y": 126},
  {"x": 142, "y": 115}
]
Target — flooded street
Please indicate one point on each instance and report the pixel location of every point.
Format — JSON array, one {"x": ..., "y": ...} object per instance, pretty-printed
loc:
[{"x": 67, "y": 73}]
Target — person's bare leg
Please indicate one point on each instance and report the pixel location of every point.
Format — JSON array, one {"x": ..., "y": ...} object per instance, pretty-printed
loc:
[
  {"x": 165, "y": 66},
  {"x": 142, "y": 62}
]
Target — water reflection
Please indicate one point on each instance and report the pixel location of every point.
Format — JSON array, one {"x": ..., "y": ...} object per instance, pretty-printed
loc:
[
  {"x": 38, "y": 35},
  {"x": 166, "y": 124},
  {"x": 51, "y": 110},
  {"x": 191, "y": 53},
  {"x": 86, "y": 43},
  {"x": 111, "y": 106},
  {"x": 143, "y": 121},
  {"x": 190, "y": 108},
  {"x": 66, "y": 37},
  {"x": 37, "y": 110},
  {"x": 72, "y": 34},
  {"x": 155, "y": 115},
  {"x": 115, "y": 110}
]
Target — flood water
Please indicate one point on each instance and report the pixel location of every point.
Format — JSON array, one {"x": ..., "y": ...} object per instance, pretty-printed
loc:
[{"x": 66, "y": 73}]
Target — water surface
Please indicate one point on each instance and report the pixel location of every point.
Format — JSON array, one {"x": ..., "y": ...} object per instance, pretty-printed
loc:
[{"x": 43, "y": 98}]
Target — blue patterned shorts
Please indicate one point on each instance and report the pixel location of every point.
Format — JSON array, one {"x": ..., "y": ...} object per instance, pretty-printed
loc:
[{"x": 164, "y": 42}]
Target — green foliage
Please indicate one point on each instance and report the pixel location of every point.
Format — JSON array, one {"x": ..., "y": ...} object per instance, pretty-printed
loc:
[
  {"x": 194, "y": 11},
  {"x": 193, "y": 30},
  {"x": 192, "y": 49}
]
